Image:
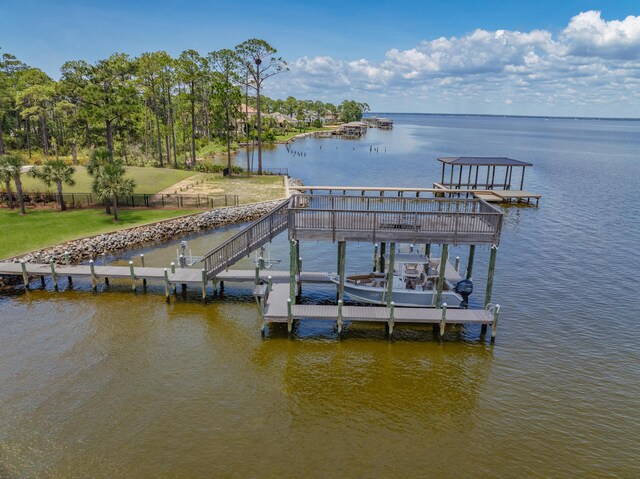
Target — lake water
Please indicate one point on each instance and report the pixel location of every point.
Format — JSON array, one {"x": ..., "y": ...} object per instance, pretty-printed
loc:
[{"x": 121, "y": 385}]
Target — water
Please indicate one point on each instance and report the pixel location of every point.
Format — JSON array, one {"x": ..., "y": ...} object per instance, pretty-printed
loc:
[{"x": 121, "y": 385}]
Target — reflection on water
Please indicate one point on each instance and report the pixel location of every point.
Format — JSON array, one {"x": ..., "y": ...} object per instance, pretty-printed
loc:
[{"x": 122, "y": 384}]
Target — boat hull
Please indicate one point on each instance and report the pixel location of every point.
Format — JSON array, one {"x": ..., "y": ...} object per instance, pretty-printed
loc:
[{"x": 410, "y": 298}]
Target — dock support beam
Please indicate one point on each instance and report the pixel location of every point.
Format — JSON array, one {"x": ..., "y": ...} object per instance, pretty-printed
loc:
[
  {"x": 443, "y": 265},
  {"x": 342, "y": 253},
  {"x": 443, "y": 319},
  {"x": 133, "y": 276},
  {"x": 383, "y": 251},
  {"x": 54, "y": 276},
  {"x": 144, "y": 280},
  {"x": 492, "y": 270},
  {"x": 293, "y": 261},
  {"x": 375, "y": 257},
  {"x": 204, "y": 284},
  {"x": 94, "y": 283},
  {"x": 494, "y": 325},
  {"x": 472, "y": 253},
  {"x": 67, "y": 262},
  {"x": 25, "y": 276},
  {"x": 289, "y": 316},
  {"x": 457, "y": 266},
  {"x": 391, "y": 317},
  {"x": 166, "y": 285},
  {"x": 392, "y": 258},
  {"x": 339, "y": 324}
]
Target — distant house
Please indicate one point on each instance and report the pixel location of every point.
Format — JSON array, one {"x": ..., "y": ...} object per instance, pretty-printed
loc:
[{"x": 330, "y": 118}]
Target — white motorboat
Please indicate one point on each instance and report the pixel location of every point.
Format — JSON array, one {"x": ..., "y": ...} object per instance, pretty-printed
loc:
[{"x": 415, "y": 280}]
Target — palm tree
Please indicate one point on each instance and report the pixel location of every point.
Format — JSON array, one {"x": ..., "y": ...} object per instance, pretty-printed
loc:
[
  {"x": 6, "y": 177},
  {"x": 111, "y": 184},
  {"x": 99, "y": 159},
  {"x": 55, "y": 171},
  {"x": 14, "y": 164}
]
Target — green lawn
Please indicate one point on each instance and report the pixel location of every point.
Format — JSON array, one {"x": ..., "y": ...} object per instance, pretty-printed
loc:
[
  {"x": 148, "y": 180},
  {"x": 41, "y": 227}
]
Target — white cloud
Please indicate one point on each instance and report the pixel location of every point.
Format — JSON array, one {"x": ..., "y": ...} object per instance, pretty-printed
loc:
[
  {"x": 592, "y": 63},
  {"x": 589, "y": 35}
]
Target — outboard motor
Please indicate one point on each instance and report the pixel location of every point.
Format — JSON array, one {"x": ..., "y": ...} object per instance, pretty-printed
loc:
[{"x": 464, "y": 288}]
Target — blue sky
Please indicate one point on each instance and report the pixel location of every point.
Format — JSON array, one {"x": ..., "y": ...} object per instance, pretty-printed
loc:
[{"x": 562, "y": 57}]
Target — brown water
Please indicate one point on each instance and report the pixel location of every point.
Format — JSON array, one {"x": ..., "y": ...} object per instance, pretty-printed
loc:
[{"x": 121, "y": 385}]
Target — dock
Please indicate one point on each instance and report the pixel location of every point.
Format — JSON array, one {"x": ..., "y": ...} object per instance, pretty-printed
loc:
[{"x": 379, "y": 220}]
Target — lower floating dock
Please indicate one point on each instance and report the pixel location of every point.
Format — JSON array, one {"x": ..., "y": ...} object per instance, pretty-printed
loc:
[{"x": 277, "y": 309}]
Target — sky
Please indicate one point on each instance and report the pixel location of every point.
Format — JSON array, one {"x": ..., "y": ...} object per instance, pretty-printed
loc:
[{"x": 542, "y": 57}]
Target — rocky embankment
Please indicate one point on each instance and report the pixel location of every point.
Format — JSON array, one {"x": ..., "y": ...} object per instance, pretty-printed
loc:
[{"x": 91, "y": 247}]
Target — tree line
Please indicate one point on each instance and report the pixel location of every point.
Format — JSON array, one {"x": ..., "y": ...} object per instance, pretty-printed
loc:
[{"x": 151, "y": 109}]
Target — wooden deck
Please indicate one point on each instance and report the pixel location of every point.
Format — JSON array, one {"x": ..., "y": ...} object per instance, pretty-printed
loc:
[
  {"x": 276, "y": 311},
  {"x": 181, "y": 276}
]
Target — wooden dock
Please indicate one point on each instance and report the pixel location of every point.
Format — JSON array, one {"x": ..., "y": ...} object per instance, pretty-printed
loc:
[{"x": 278, "y": 309}]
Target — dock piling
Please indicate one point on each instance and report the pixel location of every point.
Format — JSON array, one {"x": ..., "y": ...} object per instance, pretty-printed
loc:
[
  {"x": 392, "y": 306},
  {"x": 444, "y": 318},
  {"x": 133, "y": 276},
  {"x": 289, "y": 316},
  {"x": 25, "y": 276},
  {"x": 457, "y": 266},
  {"x": 472, "y": 253},
  {"x": 144, "y": 280},
  {"x": 67, "y": 262},
  {"x": 443, "y": 266},
  {"x": 166, "y": 285},
  {"x": 392, "y": 258},
  {"x": 54, "y": 276},
  {"x": 204, "y": 284},
  {"x": 375, "y": 257},
  {"x": 492, "y": 270},
  {"x": 94, "y": 281},
  {"x": 339, "y": 324},
  {"x": 494, "y": 324}
]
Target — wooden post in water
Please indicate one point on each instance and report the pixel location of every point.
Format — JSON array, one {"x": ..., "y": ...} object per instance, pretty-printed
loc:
[
  {"x": 443, "y": 266},
  {"x": 25, "y": 276},
  {"x": 289, "y": 316},
  {"x": 144, "y": 280},
  {"x": 472, "y": 253},
  {"x": 94, "y": 282},
  {"x": 204, "y": 284},
  {"x": 54, "y": 277},
  {"x": 494, "y": 325},
  {"x": 383, "y": 251},
  {"x": 269, "y": 284},
  {"x": 443, "y": 319},
  {"x": 166, "y": 285},
  {"x": 392, "y": 258},
  {"x": 375, "y": 257},
  {"x": 67, "y": 262},
  {"x": 457, "y": 263},
  {"x": 292, "y": 270},
  {"x": 342, "y": 253},
  {"x": 256, "y": 279},
  {"x": 173, "y": 271},
  {"x": 133, "y": 276},
  {"x": 392, "y": 306},
  {"x": 339, "y": 317},
  {"x": 492, "y": 270}
]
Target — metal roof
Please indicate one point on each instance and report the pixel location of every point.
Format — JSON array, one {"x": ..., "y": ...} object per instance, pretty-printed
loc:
[{"x": 483, "y": 161}]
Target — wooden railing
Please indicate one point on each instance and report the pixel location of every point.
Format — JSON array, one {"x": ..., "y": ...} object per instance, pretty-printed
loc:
[
  {"x": 361, "y": 218},
  {"x": 249, "y": 239}
]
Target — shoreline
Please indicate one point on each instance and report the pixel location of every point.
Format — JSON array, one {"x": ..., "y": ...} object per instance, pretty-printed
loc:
[{"x": 90, "y": 247}]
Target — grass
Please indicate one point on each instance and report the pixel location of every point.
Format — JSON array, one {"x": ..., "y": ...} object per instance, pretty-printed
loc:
[
  {"x": 40, "y": 228},
  {"x": 250, "y": 189},
  {"x": 148, "y": 180}
]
